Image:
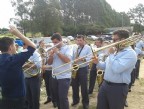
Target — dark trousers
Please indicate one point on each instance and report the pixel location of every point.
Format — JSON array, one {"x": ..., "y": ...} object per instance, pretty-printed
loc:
[
  {"x": 33, "y": 92},
  {"x": 48, "y": 83},
  {"x": 112, "y": 96},
  {"x": 60, "y": 89},
  {"x": 93, "y": 75},
  {"x": 80, "y": 80},
  {"x": 133, "y": 76},
  {"x": 137, "y": 68},
  {"x": 12, "y": 103}
]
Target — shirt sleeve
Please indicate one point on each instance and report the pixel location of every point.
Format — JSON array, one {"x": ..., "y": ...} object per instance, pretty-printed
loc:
[
  {"x": 69, "y": 53},
  {"x": 101, "y": 65},
  {"x": 142, "y": 44},
  {"x": 89, "y": 54},
  {"x": 119, "y": 65},
  {"x": 22, "y": 57},
  {"x": 36, "y": 59}
]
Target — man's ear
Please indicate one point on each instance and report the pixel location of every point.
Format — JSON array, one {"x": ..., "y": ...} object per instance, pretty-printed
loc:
[{"x": 10, "y": 48}]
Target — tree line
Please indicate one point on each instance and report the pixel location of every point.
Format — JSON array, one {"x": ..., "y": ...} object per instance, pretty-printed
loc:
[{"x": 69, "y": 17}]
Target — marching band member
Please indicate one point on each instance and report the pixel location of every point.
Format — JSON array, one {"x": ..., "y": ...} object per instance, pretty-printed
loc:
[
  {"x": 47, "y": 76},
  {"x": 33, "y": 81},
  {"x": 60, "y": 55},
  {"x": 11, "y": 74},
  {"x": 140, "y": 54},
  {"x": 81, "y": 76},
  {"x": 134, "y": 71},
  {"x": 46, "y": 72},
  {"x": 118, "y": 67},
  {"x": 93, "y": 71},
  {"x": 140, "y": 45}
]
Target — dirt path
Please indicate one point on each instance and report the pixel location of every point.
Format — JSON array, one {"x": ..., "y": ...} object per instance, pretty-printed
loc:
[{"x": 135, "y": 97}]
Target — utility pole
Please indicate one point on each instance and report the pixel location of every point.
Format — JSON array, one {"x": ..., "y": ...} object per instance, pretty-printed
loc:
[{"x": 122, "y": 20}]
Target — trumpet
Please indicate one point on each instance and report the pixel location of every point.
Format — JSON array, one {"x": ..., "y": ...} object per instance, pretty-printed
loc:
[{"x": 123, "y": 43}]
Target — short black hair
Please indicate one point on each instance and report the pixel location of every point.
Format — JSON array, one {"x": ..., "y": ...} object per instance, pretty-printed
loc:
[
  {"x": 56, "y": 36},
  {"x": 81, "y": 36},
  {"x": 100, "y": 39},
  {"x": 5, "y": 43},
  {"x": 122, "y": 33}
]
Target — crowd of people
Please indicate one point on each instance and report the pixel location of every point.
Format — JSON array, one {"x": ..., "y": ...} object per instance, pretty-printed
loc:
[{"x": 21, "y": 72}]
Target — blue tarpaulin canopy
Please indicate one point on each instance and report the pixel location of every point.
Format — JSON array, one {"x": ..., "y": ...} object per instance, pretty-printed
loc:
[{"x": 19, "y": 42}]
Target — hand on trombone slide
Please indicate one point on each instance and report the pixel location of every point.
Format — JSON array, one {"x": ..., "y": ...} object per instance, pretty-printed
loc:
[
  {"x": 55, "y": 50},
  {"x": 95, "y": 59},
  {"x": 112, "y": 50},
  {"x": 51, "y": 53},
  {"x": 79, "y": 59}
]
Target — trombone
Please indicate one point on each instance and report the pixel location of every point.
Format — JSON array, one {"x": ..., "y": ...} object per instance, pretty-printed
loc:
[
  {"x": 100, "y": 74},
  {"x": 123, "y": 43}
]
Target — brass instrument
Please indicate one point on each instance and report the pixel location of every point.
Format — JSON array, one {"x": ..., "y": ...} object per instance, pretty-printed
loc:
[
  {"x": 45, "y": 51},
  {"x": 100, "y": 74},
  {"x": 75, "y": 67},
  {"x": 122, "y": 43},
  {"x": 28, "y": 71},
  {"x": 74, "y": 70}
]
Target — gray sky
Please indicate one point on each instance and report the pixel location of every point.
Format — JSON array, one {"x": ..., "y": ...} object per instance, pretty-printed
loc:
[
  {"x": 124, "y": 5},
  {"x": 7, "y": 12}
]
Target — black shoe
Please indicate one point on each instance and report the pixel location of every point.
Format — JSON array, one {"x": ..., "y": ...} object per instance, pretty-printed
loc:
[
  {"x": 74, "y": 103},
  {"x": 54, "y": 104},
  {"x": 85, "y": 106},
  {"x": 129, "y": 90},
  {"x": 46, "y": 102}
]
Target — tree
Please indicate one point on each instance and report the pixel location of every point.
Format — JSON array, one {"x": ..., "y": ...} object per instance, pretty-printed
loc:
[
  {"x": 97, "y": 12},
  {"x": 22, "y": 10},
  {"x": 46, "y": 16},
  {"x": 137, "y": 15},
  {"x": 38, "y": 15}
]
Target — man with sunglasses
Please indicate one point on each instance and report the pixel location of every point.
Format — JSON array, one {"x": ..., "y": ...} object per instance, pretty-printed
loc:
[{"x": 118, "y": 67}]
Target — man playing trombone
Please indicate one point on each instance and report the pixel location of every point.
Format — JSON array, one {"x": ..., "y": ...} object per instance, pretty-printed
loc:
[
  {"x": 60, "y": 57},
  {"x": 118, "y": 67}
]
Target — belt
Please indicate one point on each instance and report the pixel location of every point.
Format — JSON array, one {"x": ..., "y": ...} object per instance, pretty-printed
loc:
[
  {"x": 116, "y": 84},
  {"x": 33, "y": 76},
  {"x": 83, "y": 67}
]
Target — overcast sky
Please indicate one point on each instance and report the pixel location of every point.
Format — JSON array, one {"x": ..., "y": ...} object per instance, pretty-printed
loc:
[{"x": 7, "y": 12}]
